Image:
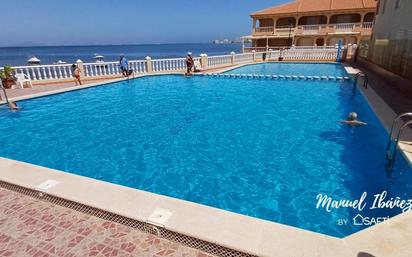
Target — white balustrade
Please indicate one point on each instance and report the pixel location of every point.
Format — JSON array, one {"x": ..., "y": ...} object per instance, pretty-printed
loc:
[
  {"x": 219, "y": 60},
  {"x": 248, "y": 57},
  {"x": 45, "y": 72},
  {"x": 367, "y": 25},
  {"x": 110, "y": 69},
  {"x": 164, "y": 65},
  {"x": 302, "y": 55},
  {"x": 136, "y": 66},
  {"x": 310, "y": 29},
  {"x": 344, "y": 27},
  {"x": 264, "y": 29}
]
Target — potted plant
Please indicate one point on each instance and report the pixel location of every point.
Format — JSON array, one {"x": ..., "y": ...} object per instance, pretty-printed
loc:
[{"x": 6, "y": 75}]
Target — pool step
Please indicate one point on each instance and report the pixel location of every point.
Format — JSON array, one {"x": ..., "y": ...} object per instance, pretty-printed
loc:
[{"x": 285, "y": 77}]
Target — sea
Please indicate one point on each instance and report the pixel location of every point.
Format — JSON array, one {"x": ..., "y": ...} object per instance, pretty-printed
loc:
[{"x": 17, "y": 56}]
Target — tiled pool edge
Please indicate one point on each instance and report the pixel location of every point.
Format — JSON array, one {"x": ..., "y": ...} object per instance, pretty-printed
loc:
[
  {"x": 213, "y": 225},
  {"x": 234, "y": 231}
]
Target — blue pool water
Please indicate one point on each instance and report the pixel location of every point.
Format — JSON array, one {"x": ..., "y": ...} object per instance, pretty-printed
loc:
[
  {"x": 302, "y": 69},
  {"x": 263, "y": 148}
]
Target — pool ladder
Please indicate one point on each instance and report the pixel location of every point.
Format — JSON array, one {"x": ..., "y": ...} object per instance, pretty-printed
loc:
[
  {"x": 393, "y": 143},
  {"x": 365, "y": 80}
]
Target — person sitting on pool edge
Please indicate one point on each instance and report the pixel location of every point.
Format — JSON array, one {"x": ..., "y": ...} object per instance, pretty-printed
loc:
[{"x": 351, "y": 120}]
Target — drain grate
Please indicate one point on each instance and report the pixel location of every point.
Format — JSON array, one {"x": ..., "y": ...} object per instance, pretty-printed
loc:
[{"x": 185, "y": 240}]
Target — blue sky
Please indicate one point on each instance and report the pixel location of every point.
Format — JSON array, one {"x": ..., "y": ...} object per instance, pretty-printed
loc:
[{"x": 62, "y": 22}]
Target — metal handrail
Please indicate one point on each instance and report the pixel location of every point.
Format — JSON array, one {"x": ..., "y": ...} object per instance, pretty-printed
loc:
[
  {"x": 395, "y": 121},
  {"x": 395, "y": 150},
  {"x": 365, "y": 80}
]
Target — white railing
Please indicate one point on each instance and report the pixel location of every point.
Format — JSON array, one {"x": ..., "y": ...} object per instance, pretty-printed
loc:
[
  {"x": 112, "y": 69},
  {"x": 248, "y": 57},
  {"x": 45, "y": 72},
  {"x": 345, "y": 27},
  {"x": 138, "y": 66},
  {"x": 312, "y": 47},
  {"x": 299, "y": 55},
  {"x": 219, "y": 60},
  {"x": 257, "y": 49},
  {"x": 162, "y": 65},
  {"x": 310, "y": 29},
  {"x": 367, "y": 25},
  {"x": 264, "y": 29},
  {"x": 314, "y": 29},
  {"x": 101, "y": 69}
]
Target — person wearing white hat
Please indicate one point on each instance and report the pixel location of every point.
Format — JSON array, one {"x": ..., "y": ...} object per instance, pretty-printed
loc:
[{"x": 189, "y": 64}]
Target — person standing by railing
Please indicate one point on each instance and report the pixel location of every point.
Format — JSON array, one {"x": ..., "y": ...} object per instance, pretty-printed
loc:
[
  {"x": 189, "y": 64},
  {"x": 124, "y": 65},
  {"x": 76, "y": 74}
]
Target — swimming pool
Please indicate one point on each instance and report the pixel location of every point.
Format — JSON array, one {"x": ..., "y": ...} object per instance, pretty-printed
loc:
[{"x": 259, "y": 147}]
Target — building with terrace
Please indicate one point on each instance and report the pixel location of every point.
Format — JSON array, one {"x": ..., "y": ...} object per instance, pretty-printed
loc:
[{"x": 312, "y": 23}]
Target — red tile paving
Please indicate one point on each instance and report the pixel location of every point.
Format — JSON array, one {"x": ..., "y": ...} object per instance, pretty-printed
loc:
[{"x": 32, "y": 227}]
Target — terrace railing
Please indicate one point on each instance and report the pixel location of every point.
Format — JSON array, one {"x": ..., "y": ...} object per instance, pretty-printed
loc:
[
  {"x": 45, "y": 72},
  {"x": 364, "y": 28},
  {"x": 247, "y": 57},
  {"x": 163, "y": 65},
  {"x": 111, "y": 69},
  {"x": 219, "y": 60},
  {"x": 315, "y": 55}
]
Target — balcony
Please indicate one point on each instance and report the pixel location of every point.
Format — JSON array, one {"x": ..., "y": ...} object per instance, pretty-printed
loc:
[{"x": 364, "y": 29}]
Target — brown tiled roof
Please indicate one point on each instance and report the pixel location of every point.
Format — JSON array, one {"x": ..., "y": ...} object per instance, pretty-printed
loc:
[{"x": 316, "y": 6}]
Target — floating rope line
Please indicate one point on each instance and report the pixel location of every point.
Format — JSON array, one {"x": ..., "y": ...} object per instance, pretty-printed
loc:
[{"x": 284, "y": 77}]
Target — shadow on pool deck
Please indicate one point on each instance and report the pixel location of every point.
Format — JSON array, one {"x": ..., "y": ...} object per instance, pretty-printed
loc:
[
  {"x": 393, "y": 89},
  {"x": 363, "y": 254}
]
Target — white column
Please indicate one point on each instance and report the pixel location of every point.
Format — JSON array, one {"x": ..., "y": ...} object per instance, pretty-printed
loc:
[
  {"x": 254, "y": 55},
  {"x": 243, "y": 45},
  {"x": 204, "y": 61},
  {"x": 80, "y": 66},
  {"x": 149, "y": 67},
  {"x": 233, "y": 57}
]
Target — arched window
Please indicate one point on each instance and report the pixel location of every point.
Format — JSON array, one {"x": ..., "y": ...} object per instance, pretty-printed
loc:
[{"x": 369, "y": 17}]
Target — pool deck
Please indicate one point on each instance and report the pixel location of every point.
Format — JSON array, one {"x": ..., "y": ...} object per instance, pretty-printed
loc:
[
  {"x": 32, "y": 227},
  {"x": 247, "y": 235}
]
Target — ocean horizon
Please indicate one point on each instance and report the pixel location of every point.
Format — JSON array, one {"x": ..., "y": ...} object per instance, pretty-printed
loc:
[{"x": 18, "y": 55}]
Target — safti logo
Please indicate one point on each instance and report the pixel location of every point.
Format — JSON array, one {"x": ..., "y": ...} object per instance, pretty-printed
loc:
[{"x": 359, "y": 220}]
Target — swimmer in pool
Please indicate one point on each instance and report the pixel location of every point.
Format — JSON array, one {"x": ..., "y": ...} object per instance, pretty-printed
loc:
[{"x": 351, "y": 120}]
